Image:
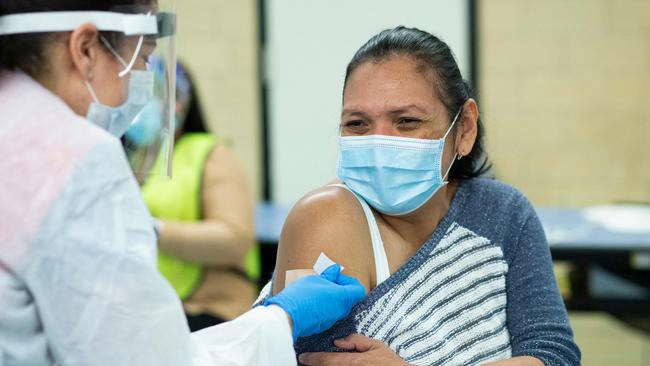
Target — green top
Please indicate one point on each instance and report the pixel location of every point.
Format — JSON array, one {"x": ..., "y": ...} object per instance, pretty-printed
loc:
[{"x": 179, "y": 199}]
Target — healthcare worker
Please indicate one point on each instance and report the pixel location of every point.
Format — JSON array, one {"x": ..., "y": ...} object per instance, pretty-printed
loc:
[{"x": 78, "y": 277}]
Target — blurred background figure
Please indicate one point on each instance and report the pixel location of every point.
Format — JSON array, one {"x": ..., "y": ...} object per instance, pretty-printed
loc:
[{"x": 204, "y": 217}]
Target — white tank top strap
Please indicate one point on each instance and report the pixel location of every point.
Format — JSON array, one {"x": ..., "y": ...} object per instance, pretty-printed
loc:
[{"x": 379, "y": 252}]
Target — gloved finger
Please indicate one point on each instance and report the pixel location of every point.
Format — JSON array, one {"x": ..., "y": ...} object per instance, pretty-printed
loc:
[
  {"x": 347, "y": 280},
  {"x": 332, "y": 272},
  {"x": 355, "y": 293}
]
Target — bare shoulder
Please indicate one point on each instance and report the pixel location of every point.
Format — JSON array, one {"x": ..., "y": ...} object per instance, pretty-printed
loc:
[{"x": 330, "y": 220}]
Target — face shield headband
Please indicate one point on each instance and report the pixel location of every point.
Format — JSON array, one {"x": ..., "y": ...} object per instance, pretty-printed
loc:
[{"x": 159, "y": 111}]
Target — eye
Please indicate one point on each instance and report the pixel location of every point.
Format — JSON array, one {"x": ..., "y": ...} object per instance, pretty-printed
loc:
[
  {"x": 353, "y": 123},
  {"x": 408, "y": 123},
  {"x": 356, "y": 126}
]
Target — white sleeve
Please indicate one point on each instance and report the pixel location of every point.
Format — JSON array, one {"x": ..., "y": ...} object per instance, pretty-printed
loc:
[
  {"x": 93, "y": 275},
  {"x": 262, "y": 336},
  {"x": 100, "y": 298}
]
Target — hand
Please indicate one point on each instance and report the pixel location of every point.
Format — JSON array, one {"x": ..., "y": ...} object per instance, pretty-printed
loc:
[
  {"x": 157, "y": 227},
  {"x": 361, "y": 351},
  {"x": 315, "y": 303}
]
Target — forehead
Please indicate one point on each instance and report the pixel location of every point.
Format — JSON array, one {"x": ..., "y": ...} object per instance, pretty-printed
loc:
[{"x": 397, "y": 78}]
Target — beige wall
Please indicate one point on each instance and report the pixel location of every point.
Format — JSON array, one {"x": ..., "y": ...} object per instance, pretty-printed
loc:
[
  {"x": 217, "y": 39},
  {"x": 565, "y": 90},
  {"x": 565, "y": 93}
]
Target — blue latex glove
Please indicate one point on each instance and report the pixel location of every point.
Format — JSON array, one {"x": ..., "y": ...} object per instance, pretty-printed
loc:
[{"x": 315, "y": 303}]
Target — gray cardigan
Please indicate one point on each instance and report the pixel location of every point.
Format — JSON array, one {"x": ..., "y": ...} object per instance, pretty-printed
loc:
[{"x": 481, "y": 288}]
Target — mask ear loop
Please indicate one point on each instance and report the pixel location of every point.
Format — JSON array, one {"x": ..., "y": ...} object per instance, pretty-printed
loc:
[
  {"x": 452, "y": 123},
  {"x": 91, "y": 91},
  {"x": 129, "y": 66},
  {"x": 449, "y": 169},
  {"x": 445, "y": 138}
]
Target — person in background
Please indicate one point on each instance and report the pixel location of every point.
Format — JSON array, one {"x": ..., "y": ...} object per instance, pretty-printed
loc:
[{"x": 204, "y": 218}]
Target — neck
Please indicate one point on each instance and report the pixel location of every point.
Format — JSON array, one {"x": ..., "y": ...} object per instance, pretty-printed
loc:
[
  {"x": 417, "y": 226},
  {"x": 48, "y": 82}
]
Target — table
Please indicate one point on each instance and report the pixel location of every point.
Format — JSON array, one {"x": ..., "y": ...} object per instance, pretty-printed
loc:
[
  {"x": 574, "y": 234},
  {"x": 269, "y": 219},
  {"x": 567, "y": 231},
  {"x": 612, "y": 265},
  {"x": 570, "y": 230}
]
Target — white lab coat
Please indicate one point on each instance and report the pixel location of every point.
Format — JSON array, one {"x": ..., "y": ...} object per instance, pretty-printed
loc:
[{"x": 78, "y": 277}]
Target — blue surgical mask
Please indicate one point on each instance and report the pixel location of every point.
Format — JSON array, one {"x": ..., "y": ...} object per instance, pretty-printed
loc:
[
  {"x": 395, "y": 175},
  {"x": 145, "y": 129},
  {"x": 116, "y": 120}
]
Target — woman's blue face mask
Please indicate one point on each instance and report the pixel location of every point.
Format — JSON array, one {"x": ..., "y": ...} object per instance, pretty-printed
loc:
[{"x": 395, "y": 175}]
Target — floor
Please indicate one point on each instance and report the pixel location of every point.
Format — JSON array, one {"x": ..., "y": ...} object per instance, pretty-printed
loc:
[{"x": 606, "y": 341}]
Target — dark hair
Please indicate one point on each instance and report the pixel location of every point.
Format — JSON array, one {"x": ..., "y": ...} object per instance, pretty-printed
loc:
[
  {"x": 193, "y": 121},
  {"x": 435, "y": 56},
  {"x": 26, "y": 51}
]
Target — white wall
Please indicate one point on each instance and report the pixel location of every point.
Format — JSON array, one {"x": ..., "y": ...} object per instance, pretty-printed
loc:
[{"x": 309, "y": 43}]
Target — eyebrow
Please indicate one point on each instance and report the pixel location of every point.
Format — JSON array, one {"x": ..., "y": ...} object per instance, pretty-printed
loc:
[
  {"x": 396, "y": 110},
  {"x": 354, "y": 113}
]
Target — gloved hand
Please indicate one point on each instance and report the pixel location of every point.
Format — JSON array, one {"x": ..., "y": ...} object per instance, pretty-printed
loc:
[{"x": 315, "y": 303}]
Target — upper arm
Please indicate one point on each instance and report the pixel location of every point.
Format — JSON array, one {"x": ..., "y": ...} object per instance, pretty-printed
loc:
[
  {"x": 226, "y": 196},
  {"x": 328, "y": 220},
  {"x": 537, "y": 318},
  {"x": 224, "y": 234}
]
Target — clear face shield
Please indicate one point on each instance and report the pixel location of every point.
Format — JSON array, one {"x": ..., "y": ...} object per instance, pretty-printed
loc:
[
  {"x": 144, "y": 39},
  {"x": 149, "y": 140}
]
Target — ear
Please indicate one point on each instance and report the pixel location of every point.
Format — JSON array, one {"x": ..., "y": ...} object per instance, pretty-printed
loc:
[
  {"x": 85, "y": 48},
  {"x": 468, "y": 128}
]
